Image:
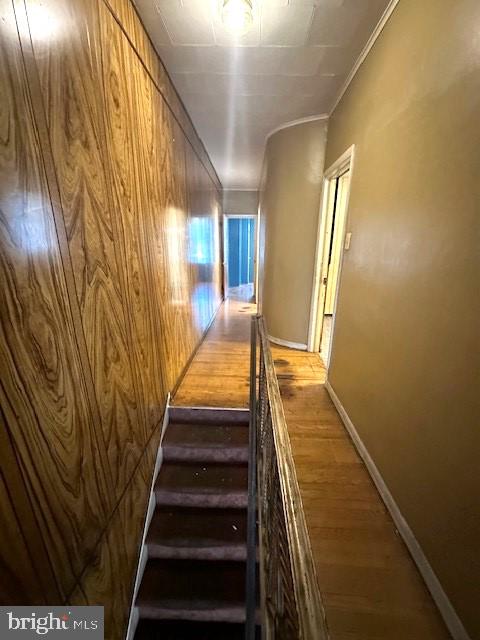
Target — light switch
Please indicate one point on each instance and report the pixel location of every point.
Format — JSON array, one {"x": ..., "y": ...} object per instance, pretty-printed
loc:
[{"x": 348, "y": 239}]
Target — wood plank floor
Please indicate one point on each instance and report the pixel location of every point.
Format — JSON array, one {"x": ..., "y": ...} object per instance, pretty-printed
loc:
[
  {"x": 370, "y": 586},
  {"x": 219, "y": 373}
]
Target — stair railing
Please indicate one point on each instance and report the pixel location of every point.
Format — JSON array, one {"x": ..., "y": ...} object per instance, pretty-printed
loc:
[{"x": 290, "y": 602}]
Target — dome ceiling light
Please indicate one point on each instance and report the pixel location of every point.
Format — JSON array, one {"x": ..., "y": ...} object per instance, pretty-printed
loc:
[{"x": 237, "y": 15}]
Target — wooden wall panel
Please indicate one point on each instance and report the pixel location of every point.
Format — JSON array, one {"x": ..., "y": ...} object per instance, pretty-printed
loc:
[
  {"x": 69, "y": 70},
  {"x": 131, "y": 202},
  {"x": 110, "y": 267},
  {"x": 182, "y": 335},
  {"x": 125, "y": 13},
  {"x": 19, "y": 582},
  {"x": 109, "y": 578},
  {"x": 25, "y": 571},
  {"x": 44, "y": 395},
  {"x": 204, "y": 215}
]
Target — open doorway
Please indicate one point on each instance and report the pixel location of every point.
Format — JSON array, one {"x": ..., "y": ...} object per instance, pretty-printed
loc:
[
  {"x": 240, "y": 251},
  {"x": 332, "y": 242}
]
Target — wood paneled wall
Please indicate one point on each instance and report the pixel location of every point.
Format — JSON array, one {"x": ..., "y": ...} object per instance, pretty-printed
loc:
[{"x": 110, "y": 267}]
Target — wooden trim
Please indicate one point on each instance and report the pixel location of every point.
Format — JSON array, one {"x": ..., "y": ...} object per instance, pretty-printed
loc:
[
  {"x": 310, "y": 609},
  {"x": 365, "y": 51},
  {"x": 344, "y": 162},
  {"x": 447, "y": 611}
]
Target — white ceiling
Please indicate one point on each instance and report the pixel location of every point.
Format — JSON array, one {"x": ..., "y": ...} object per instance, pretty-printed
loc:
[{"x": 291, "y": 64}]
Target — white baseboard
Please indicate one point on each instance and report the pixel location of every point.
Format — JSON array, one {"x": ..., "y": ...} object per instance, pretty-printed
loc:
[
  {"x": 143, "y": 555},
  {"x": 285, "y": 343},
  {"x": 453, "y": 622}
]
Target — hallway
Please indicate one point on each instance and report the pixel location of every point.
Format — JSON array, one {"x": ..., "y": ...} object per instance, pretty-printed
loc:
[{"x": 370, "y": 587}]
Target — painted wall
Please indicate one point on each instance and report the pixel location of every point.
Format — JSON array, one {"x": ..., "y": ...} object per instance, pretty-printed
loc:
[
  {"x": 240, "y": 202},
  {"x": 406, "y": 352},
  {"x": 289, "y": 208},
  {"x": 107, "y": 200}
]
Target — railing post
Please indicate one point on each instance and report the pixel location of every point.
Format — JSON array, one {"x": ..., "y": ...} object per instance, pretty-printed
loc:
[{"x": 251, "y": 600}]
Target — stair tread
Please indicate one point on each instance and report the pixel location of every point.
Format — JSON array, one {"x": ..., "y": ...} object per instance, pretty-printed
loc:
[
  {"x": 211, "y": 442},
  {"x": 188, "y": 586},
  {"x": 187, "y": 527},
  {"x": 194, "y": 435},
  {"x": 202, "y": 478},
  {"x": 208, "y": 415},
  {"x": 199, "y": 484}
]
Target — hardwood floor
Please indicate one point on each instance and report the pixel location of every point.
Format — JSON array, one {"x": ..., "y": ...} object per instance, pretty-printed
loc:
[
  {"x": 219, "y": 372},
  {"x": 370, "y": 586}
]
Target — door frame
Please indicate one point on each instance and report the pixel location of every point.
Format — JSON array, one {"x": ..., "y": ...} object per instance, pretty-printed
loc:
[
  {"x": 226, "y": 217},
  {"x": 344, "y": 163}
]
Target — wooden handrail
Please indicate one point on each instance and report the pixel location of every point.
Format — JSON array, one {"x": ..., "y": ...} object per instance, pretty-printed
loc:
[
  {"x": 251, "y": 574},
  {"x": 295, "y": 610}
]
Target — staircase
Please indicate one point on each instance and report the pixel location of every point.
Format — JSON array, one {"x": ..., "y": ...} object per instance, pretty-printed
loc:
[{"x": 193, "y": 582}]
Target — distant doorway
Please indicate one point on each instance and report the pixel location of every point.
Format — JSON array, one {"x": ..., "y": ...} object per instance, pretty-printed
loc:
[
  {"x": 332, "y": 242},
  {"x": 240, "y": 248}
]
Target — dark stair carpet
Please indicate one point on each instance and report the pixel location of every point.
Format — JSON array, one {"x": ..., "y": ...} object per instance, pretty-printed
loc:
[
  {"x": 202, "y": 484},
  {"x": 201, "y": 590},
  {"x": 193, "y": 585},
  {"x": 198, "y": 534},
  {"x": 206, "y": 443}
]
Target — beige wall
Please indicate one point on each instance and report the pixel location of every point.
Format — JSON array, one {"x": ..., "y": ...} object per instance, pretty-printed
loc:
[
  {"x": 406, "y": 353},
  {"x": 237, "y": 202},
  {"x": 289, "y": 207}
]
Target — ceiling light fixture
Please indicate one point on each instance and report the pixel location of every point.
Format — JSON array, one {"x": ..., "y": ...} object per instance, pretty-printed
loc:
[{"x": 237, "y": 15}]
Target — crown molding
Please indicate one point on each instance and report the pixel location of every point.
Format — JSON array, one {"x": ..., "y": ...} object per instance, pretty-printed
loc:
[
  {"x": 365, "y": 51},
  {"x": 293, "y": 123}
]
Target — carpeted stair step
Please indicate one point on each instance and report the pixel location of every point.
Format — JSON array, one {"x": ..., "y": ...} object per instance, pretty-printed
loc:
[
  {"x": 195, "y": 590},
  {"x": 208, "y": 415},
  {"x": 198, "y": 534},
  {"x": 202, "y": 485},
  {"x": 221, "y": 443}
]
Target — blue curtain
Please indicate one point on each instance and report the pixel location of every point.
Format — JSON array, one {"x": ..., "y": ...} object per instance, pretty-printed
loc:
[{"x": 241, "y": 249}]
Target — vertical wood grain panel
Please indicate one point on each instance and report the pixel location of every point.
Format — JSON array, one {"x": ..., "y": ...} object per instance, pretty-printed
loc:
[
  {"x": 203, "y": 206},
  {"x": 109, "y": 259},
  {"x": 163, "y": 163},
  {"x": 25, "y": 571},
  {"x": 19, "y": 583},
  {"x": 44, "y": 394},
  {"x": 125, "y": 13},
  {"x": 109, "y": 579},
  {"x": 70, "y": 77},
  {"x": 129, "y": 203}
]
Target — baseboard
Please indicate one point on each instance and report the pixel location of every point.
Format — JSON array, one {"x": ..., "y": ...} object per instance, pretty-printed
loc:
[
  {"x": 448, "y": 613},
  {"x": 286, "y": 343},
  {"x": 143, "y": 553}
]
